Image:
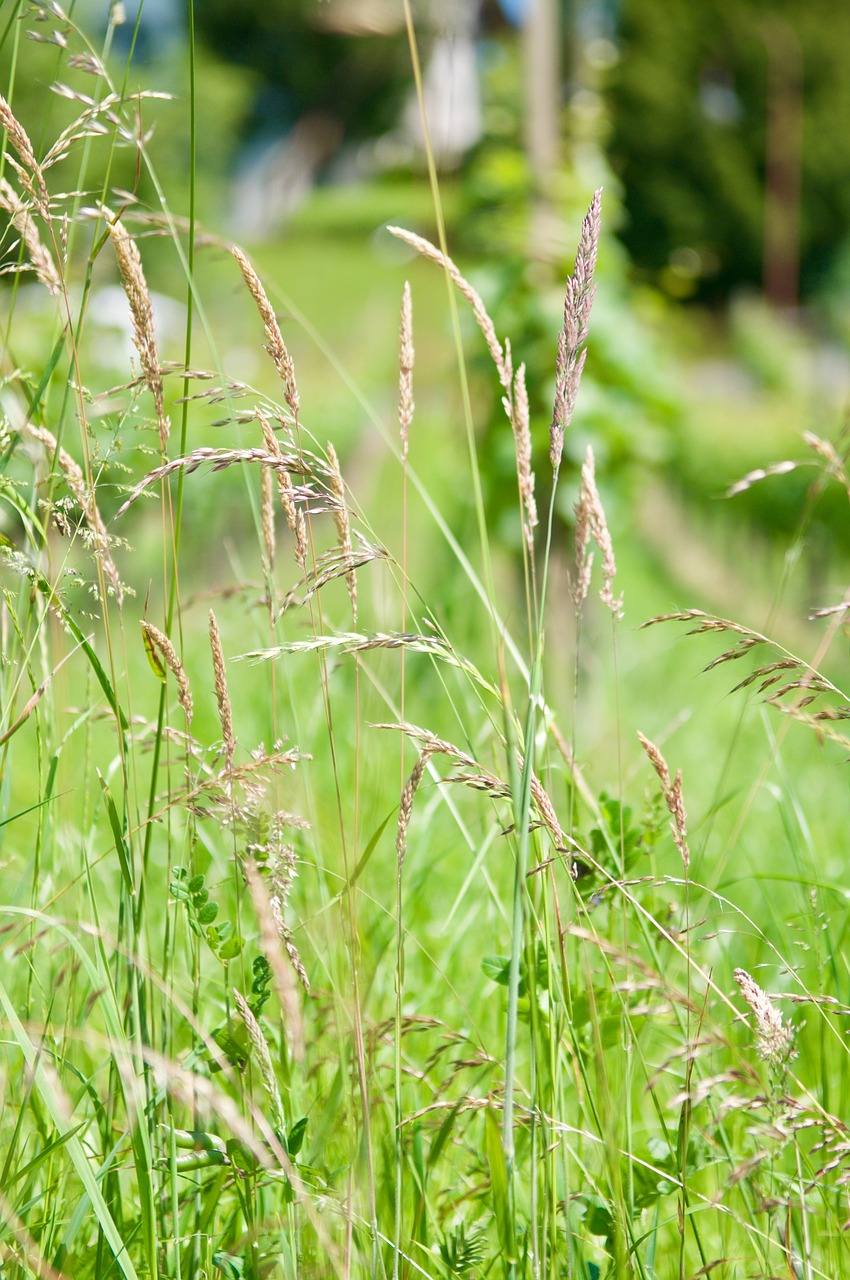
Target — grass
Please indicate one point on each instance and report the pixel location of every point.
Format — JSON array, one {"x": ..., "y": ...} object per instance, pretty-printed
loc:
[{"x": 344, "y": 934}]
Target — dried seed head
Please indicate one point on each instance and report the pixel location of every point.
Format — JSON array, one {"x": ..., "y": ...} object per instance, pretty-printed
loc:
[
  {"x": 301, "y": 541},
  {"x": 222, "y": 696},
  {"x": 485, "y": 324},
  {"x": 283, "y": 873},
  {"x": 264, "y": 1059},
  {"x": 39, "y": 255},
  {"x": 580, "y": 585},
  {"x": 591, "y": 523},
  {"x": 406, "y": 806},
  {"x": 343, "y": 527},
  {"x": 144, "y": 335},
  {"x": 405, "y": 377},
  {"x": 270, "y": 939},
  {"x": 219, "y": 459},
  {"x": 267, "y": 515},
  {"x": 287, "y": 499},
  {"x": 76, "y": 482},
  {"x": 672, "y": 793},
  {"x": 518, "y": 412},
  {"x": 275, "y": 344},
  {"x": 161, "y": 643},
  {"x": 578, "y": 300},
  {"x": 775, "y": 1038},
  {"x": 34, "y": 179}
]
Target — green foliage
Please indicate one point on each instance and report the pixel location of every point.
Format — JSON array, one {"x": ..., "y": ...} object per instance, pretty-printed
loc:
[
  {"x": 629, "y": 406},
  {"x": 689, "y": 105},
  {"x": 300, "y": 61}
]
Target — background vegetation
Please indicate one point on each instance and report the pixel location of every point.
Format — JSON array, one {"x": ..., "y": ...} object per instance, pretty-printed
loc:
[{"x": 344, "y": 930}]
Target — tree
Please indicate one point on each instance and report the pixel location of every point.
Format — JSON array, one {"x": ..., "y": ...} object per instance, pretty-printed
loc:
[{"x": 690, "y": 101}]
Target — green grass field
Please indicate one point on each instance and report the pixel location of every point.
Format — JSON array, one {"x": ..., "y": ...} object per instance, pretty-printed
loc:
[{"x": 349, "y": 936}]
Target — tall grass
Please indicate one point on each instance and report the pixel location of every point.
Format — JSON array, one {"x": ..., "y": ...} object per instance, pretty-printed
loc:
[{"x": 272, "y": 1005}]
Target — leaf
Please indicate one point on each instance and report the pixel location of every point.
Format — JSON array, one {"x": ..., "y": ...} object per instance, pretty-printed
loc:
[
  {"x": 78, "y": 1156},
  {"x": 156, "y": 663},
  {"x": 295, "y": 1138},
  {"x": 232, "y": 1039},
  {"x": 230, "y": 949},
  {"x": 232, "y": 1268},
  {"x": 241, "y": 1155},
  {"x": 497, "y": 969},
  {"x": 122, "y": 849},
  {"x": 208, "y": 913}
]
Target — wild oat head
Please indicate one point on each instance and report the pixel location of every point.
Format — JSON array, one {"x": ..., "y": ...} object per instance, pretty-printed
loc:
[{"x": 578, "y": 300}]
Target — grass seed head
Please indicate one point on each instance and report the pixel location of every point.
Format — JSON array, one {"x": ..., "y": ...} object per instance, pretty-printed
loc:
[
  {"x": 141, "y": 309},
  {"x": 275, "y": 344},
  {"x": 673, "y": 798},
  {"x": 84, "y": 497},
  {"x": 518, "y": 412},
  {"x": 343, "y": 526},
  {"x": 775, "y": 1038},
  {"x": 168, "y": 653},
  {"x": 485, "y": 324},
  {"x": 23, "y": 222},
  {"x": 222, "y": 695},
  {"x": 31, "y": 175},
  {"x": 405, "y": 376},
  {"x": 578, "y": 300}
]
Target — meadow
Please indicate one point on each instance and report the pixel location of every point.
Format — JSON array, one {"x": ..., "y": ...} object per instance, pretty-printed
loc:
[{"x": 386, "y": 894}]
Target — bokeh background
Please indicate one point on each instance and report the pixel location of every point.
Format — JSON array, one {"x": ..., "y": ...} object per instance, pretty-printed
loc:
[{"x": 719, "y": 335}]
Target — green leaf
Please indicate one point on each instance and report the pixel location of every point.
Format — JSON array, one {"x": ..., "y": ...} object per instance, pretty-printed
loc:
[
  {"x": 241, "y": 1156},
  {"x": 78, "y": 1156},
  {"x": 156, "y": 663},
  {"x": 121, "y": 846},
  {"x": 497, "y": 969},
  {"x": 599, "y": 1221},
  {"x": 232, "y": 1268},
  {"x": 234, "y": 1043},
  {"x": 230, "y": 949},
  {"x": 295, "y": 1138},
  {"x": 208, "y": 913}
]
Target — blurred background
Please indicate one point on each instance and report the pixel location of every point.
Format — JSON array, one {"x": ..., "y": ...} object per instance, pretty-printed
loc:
[{"x": 719, "y": 132}]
